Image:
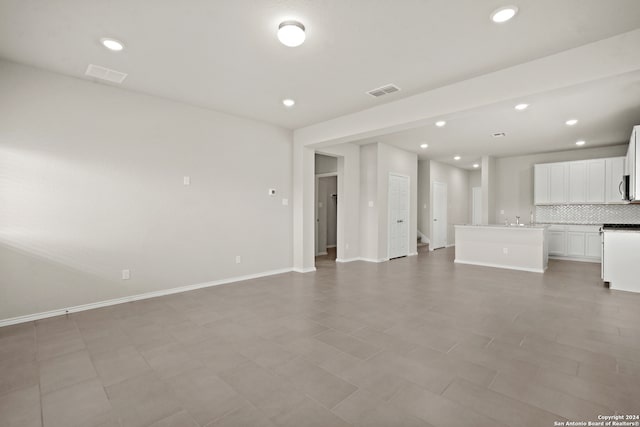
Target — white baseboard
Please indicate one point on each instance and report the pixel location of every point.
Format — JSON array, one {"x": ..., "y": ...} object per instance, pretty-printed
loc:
[
  {"x": 508, "y": 267},
  {"x": 304, "y": 270},
  {"x": 413, "y": 254},
  {"x": 347, "y": 259},
  {"x": 566, "y": 258},
  {"x": 331, "y": 246},
  {"x": 450, "y": 246},
  {"x": 362, "y": 259},
  {"x": 147, "y": 295},
  {"x": 321, "y": 253}
]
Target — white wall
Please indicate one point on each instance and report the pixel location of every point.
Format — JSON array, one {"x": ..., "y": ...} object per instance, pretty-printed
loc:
[
  {"x": 514, "y": 177},
  {"x": 475, "y": 180},
  {"x": 369, "y": 193},
  {"x": 92, "y": 183},
  {"x": 377, "y": 161},
  {"x": 458, "y": 190},
  {"x": 424, "y": 197},
  {"x": 325, "y": 164}
]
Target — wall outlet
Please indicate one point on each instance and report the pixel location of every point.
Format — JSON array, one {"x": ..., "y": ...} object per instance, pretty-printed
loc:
[
  {"x": 126, "y": 274},
  {"x": 370, "y": 203},
  {"x": 285, "y": 202},
  {"x": 505, "y": 251},
  {"x": 186, "y": 180},
  {"x": 238, "y": 259},
  {"x": 272, "y": 191}
]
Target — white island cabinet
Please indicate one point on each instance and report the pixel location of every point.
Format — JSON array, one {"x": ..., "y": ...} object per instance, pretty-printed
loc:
[{"x": 513, "y": 247}]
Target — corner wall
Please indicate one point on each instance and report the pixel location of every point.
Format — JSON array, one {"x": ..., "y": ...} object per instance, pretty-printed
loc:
[{"x": 92, "y": 183}]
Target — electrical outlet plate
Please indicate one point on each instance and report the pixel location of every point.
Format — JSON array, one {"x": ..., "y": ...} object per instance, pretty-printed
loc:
[{"x": 126, "y": 274}]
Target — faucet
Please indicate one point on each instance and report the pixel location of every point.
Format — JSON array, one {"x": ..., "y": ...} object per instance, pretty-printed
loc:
[{"x": 517, "y": 220}]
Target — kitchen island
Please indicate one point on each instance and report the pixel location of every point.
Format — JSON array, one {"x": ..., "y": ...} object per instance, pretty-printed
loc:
[{"x": 515, "y": 247}]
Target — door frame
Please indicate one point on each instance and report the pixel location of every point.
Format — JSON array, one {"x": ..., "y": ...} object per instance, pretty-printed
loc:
[
  {"x": 316, "y": 208},
  {"x": 433, "y": 212},
  {"x": 408, "y": 211}
]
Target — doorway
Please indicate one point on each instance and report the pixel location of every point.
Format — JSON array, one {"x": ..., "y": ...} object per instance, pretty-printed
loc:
[
  {"x": 439, "y": 215},
  {"x": 398, "y": 216},
  {"x": 326, "y": 215},
  {"x": 476, "y": 206}
]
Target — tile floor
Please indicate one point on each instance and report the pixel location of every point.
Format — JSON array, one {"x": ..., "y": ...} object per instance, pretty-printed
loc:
[{"x": 413, "y": 342}]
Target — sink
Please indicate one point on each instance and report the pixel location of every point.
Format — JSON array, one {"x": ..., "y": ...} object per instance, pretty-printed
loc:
[{"x": 517, "y": 225}]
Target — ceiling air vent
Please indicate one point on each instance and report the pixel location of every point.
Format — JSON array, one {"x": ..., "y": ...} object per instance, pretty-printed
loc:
[
  {"x": 384, "y": 90},
  {"x": 498, "y": 134},
  {"x": 103, "y": 73}
]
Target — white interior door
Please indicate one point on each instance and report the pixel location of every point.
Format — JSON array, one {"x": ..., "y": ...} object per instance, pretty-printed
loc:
[
  {"x": 476, "y": 206},
  {"x": 439, "y": 215},
  {"x": 398, "y": 216}
]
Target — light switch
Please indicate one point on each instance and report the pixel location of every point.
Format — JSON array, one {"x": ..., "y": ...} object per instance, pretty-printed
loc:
[
  {"x": 370, "y": 203},
  {"x": 285, "y": 202},
  {"x": 186, "y": 180},
  {"x": 425, "y": 206},
  {"x": 320, "y": 204},
  {"x": 501, "y": 211},
  {"x": 126, "y": 275}
]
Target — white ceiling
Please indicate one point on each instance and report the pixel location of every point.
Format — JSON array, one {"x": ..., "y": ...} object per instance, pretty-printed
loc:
[
  {"x": 607, "y": 109},
  {"x": 224, "y": 55}
]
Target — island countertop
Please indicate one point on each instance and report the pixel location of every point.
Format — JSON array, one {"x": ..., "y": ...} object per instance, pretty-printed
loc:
[{"x": 510, "y": 227}]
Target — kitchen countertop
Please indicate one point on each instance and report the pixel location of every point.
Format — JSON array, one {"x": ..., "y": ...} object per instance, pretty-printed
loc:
[
  {"x": 621, "y": 230},
  {"x": 516, "y": 227}
]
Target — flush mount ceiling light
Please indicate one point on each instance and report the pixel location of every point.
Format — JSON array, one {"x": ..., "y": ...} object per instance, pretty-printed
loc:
[
  {"x": 424, "y": 145},
  {"x": 112, "y": 44},
  {"x": 456, "y": 158},
  {"x": 521, "y": 107},
  {"x": 291, "y": 33},
  {"x": 580, "y": 143},
  {"x": 288, "y": 102},
  {"x": 503, "y": 14},
  {"x": 571, "y": 122},
  {"x": 441, "y": 123},
  {"x": 475, "y": 165}
]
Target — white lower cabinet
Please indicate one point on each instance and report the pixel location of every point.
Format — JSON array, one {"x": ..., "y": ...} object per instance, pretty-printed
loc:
[
  {"x": 576, "y": 242},
  {"x": 557, "y": 243}
]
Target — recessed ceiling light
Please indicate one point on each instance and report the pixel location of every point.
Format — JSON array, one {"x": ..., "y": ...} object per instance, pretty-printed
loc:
[
  {"x": 441, "y": 123},
  {"x": 291, "y": 33},
  {"x": 571, "y": 122},
  {"x": 521, "y": 107},
  {"x": 424, "y": 145},
  {"x": 475, "y": 165},
  {"x": 288, "y": 102},
  {"x": 503, "y": 14},
  {"x": 456, "y": 158},
  {"x": 580, "y": 142},
  {"x": 112, "y": 44}
]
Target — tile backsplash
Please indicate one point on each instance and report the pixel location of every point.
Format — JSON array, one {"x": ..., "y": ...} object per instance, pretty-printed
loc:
[{"x": 588, "y": 214}]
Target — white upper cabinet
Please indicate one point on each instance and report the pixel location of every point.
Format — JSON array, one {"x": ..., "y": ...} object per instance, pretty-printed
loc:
[
  {"x": 613, "y": 182},
  {"x": 558, "y": 182},
  {"x": 541, "y": 184},
  {"x": 596, "y": 181},
  {"x": 578, "y": 182}
]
